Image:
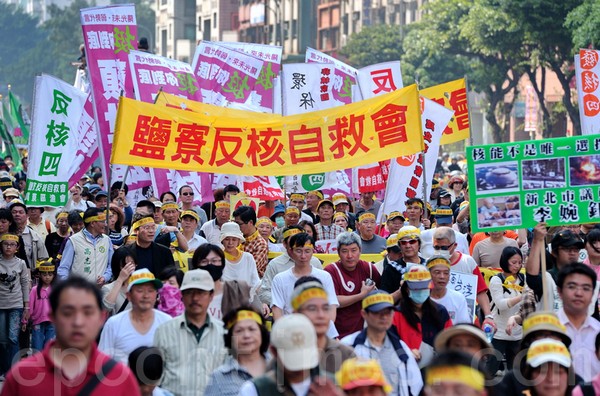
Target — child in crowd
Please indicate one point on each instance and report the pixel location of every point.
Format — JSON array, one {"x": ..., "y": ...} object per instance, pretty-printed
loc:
[{"x": 39, "y": 306}]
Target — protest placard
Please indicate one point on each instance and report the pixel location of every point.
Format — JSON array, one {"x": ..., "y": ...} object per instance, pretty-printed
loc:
[{"x": 465, "y": 284}]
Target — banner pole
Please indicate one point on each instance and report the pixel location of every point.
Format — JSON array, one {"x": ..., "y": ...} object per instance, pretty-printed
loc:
[
  {"x": 545, "y": 290},
  {"x": 468, "y": 110}
]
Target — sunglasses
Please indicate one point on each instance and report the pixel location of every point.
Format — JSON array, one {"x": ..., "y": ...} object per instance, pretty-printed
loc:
[
  {"x": 187, "y": 194},
  {"x": 409, "y": 242},
  {"x": 441, "y": 247}
]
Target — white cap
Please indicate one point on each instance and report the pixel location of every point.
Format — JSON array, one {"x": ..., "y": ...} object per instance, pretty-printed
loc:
[
  {"x": 197, "y": 279},
  {"x": 548, "y": 350},
  {"x": 295, "y": 340},
  {"x": 231, "y": 229}
]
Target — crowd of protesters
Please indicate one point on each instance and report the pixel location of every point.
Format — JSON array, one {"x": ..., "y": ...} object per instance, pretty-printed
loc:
[{"x": 167, "y": 296}]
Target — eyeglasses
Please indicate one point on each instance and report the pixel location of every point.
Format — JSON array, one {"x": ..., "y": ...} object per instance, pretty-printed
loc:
[
  {"x": 211, "y": 262},
  {"x": 585, "y": 288},
  {"x": 569, "y": 249},
  {"x": 409, "y": 242},
  {"x": 187, "y": 194},
  {"x": 442, "y": 247},
  {"x": 10, "y": 244},
  {"x": 239, "y": 222}
]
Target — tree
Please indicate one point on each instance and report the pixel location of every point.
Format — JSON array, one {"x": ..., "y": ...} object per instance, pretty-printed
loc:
[
  {"x": 373, "y": 44},
  {"x": 583, "y": 22}
]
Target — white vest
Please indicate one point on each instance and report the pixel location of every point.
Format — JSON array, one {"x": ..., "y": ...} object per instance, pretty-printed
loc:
[{"x": 88, "y": 261}]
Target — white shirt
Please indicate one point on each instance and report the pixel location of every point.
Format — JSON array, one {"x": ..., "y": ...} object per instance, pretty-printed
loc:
[
  {"x": 244, "y": 270},
  {"x": 456, "y": 305},
  {"x": 119, "y": 338},
  {"x": 195, "y": 242},
  {"x": 212, "y": 232},
  {"x": 300, "y": 388},
  {"x": 583, "y": 341}
]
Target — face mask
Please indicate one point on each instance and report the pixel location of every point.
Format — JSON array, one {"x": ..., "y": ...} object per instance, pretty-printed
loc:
[
  {"x": 443, "y": 253},
  {"x": 280, "y": 222},
  {"x": 418, "y": 296},
  {"x": 215, "y": 271}
]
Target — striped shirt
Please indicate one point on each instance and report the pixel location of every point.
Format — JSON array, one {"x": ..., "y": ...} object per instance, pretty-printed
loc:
[
  {"x": 328, "y": 232},
  {"x": 189, "y": 363},
  {"x": 227, "y": 379}
]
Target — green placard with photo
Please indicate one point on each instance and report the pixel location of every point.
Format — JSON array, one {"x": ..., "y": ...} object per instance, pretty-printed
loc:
[{"x": 516, "y": 185}]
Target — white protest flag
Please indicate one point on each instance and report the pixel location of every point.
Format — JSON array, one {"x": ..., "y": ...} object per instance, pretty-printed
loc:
[
  {"x": 327, "y": 182},
  {"x": 57, "y": 108},
  {"x": 343, "y": 76},
  {"x": 86, "y": 138},
  {"x": 263, "y": 187},
  {"x": 587, "y": 73},
  {"x": 379, "y": 79},
  {"x": 306, "y": 87},
  {"x": 406, "y": 173}
]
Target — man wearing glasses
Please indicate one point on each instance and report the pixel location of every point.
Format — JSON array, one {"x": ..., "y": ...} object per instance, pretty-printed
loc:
[
  {"x": 444, "y": 244},
  {"x": 186, "y": 196}
]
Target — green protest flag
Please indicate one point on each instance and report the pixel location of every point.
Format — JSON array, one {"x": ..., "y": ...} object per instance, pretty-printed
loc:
[
  {"x": 16, "y": 112},
  {"x": 9, "y": 147},
  {"x": 518, "y": 184}
]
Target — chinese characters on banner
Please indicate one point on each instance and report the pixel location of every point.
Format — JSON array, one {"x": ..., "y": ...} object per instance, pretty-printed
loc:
[
  {"x": 379, "y": 79},
  {"x": 406, "y": 173},
  {"x": 465, "y": 284},
  {"x": 57, "y": 109},
  {"x": 225, "y": 75},
  {"x": 517, "y": 185},
  {"x": 109, "y": 35},
  {"x": 306, "y": 88},
  {"x": 372, "y": 130},
  {"x": 86, "y": 138},
  {"x": 587, "y": 73},
  {"x": 453, "y": 96},
  {"x": 343, "y": 76}
]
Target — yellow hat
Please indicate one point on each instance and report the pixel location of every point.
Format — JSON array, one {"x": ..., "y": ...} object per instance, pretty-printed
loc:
[
  {"x": 456, "y": 374},
  {"x": 340, "y": 214},
  {"x": 391, "y": 241},
  {"x": 191, "y": 213},
  {"x": 418, "y": 277},
  {"x": 356, "y": 373},
  {"x": 409, "y": 231},
  {"x": 548, "y": 350}
]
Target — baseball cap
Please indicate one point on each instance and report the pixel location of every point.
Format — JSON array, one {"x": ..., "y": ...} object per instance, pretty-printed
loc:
[
  {"x": 410, "y": 232},
  {"x": 566, "y": 238},
  {"x": 5, "y": 183},
  {"x": 377, "y": 300},
  {"x": 101, "y": 193},
  {"x": 443, "y": 215},
  {"x": 339, "y": 198},
  {"x": 197, "y": 279},
  {"x": 443, "y": 338},
  {"x": 295, "y": 339},
  {"x": 444, "y": 193},
  {"x": 11, "y": 193},
  {"x": 435, "y": 183},
  {"x": 16, "y": 202},
  {"x": 545, "y": 321},
  {"x": 395, "y": 215},
  {"x": 231, "y": 229},
  {"x": 190, "y": 213},
  {"x": 325, "y": 201},
  {"x": 356, "y": 372},
  {"x": 94, "y": 188},
  {"x": 392, "y": 241},
  {"x": 417, "y": 277},
  {"x": 548, "y": 350},
  {"x": 142, "y": 276}
]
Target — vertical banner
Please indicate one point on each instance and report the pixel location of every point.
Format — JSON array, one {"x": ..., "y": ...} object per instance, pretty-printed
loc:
[
  {"x": 453, "y": 96},
  {"x": 109, "y": 34},
  {"x": 86, "y": 143},
  {"x": 306, "y": 87},
  {"x": 262, "y": 98},
  {"x": 406, "y": 173},
  {"x": 517, "y": 185},
  {"x": 343, "y": 76},
  {"x": 587, "y": 72},
  {"x": 531, "y": 110},
  {"x": 57, "y": 108},
  {"x": 379, "y": 79},
  {"x": 225, "y": 76}
]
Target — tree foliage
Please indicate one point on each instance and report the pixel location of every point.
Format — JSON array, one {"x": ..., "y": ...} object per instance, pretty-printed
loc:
[
  {"x": 373, "y": 44},
  {"x": 584, "y": 23}
]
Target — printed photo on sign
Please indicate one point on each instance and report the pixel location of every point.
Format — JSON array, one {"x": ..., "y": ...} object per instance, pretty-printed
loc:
[
  {"x": 584, "y": 170},
  {"x": 500, "y": 177},
  {"x": 499, "y": 211},
  {"x": 544, "y": 173}
]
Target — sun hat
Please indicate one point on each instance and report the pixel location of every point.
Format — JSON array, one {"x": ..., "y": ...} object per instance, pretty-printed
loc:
[
  {"x": 231, "y": 229},
  {"x": 548, "y": 350},
  {"x": 295, "y": 339},
  {"x": 141, "y": 276},
  {"x": 356, "y": 372}
]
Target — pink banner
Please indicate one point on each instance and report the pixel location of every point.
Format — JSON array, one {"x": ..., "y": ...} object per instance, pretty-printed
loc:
[
  {"x": 169, "y": 180},
  {"x": 87, "y": 143},
  {"x": 109, "y": 34},
  {"x": 344, "y": 76}
]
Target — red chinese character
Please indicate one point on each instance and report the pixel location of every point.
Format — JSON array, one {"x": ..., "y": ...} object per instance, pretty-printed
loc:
[
  {"x": 588, "y": 59},
  {"x": 150, "y": 138},
  {"x": 458, "y": 102},
  {"x": 383, "y": 80},
  {"x": 190, "y": 141},
  {"x": 306, "y": 145},
  {"x": 389, "y": 123},
  {"x": 429, "y": 124},
  {"x": 591, "y": 105},
  {"x": 265, "y": 147},
  {"x": 347, "y": 135},
  {"x": 589, "y": 81},
  {"x": 224, "y": 139}
]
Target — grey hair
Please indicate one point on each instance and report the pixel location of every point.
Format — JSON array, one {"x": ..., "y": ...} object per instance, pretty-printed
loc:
[
  {"x": 444, "y": 233},
  {"x": 347, "y": 239}
]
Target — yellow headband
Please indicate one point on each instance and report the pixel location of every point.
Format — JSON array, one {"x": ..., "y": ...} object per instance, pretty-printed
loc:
[
  {"x": 438, "y": 261},
  {"x": 243, "y": 315},
  {"x": 222, "y": 205},
  {"x": 292, "y": 209},
  {"x": 291, "y": 232},
  {"x": 190, "y": 213},
  {"x": 263, "y": 220},
  {"x": 546, "y": 348},
  {"x": 376, "y": 299},
  {"x": 410, "y": 233},
  {"x": 365, "y": 216},
  {"x": 296, "y": 197},
  {"x": 393, "y": 215},
  {"x": 305, "y": 295},
  {"x": 144, "y": 221},
  {"x": 417, "y": 276},
  {"x": 443, "y": 212},
  {"x": 543, "y": 319},
  {"x": 340, "y": 214},
  {"x": 456, "y": 374},
  {"x": 170, "y": 205},
  {"x": 5, "y": 183},
  {"x": 99, "y": 217},
  {"x": 317, "y": 193},
  {"x": 46, "y": 268},
  {"x": 62, "y": 215},
  {"x": 392, "y": 241},
  {"x": 417, "y": 203},
  {"x": 9, "y": 237}
]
